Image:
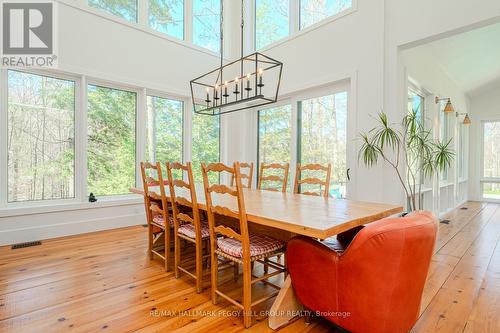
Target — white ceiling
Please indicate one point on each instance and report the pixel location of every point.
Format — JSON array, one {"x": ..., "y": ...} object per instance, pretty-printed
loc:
[{"x": 471, "y": 59}]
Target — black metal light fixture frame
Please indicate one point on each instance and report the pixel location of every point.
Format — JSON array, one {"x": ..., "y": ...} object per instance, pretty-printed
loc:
[{"x": 251, "y": 96}]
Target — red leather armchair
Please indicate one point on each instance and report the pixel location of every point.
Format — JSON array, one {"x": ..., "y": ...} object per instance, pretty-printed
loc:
[{"x": 375, "y": 283}]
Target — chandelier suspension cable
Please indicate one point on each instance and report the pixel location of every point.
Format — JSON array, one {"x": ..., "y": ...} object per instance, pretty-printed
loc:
[{"x": 242, "y": 32}]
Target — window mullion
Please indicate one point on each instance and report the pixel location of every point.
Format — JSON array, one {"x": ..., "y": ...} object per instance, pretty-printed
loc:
[
  {"x": 81, "y": 140},
  {"x": 140, "y": 133},
  {"x": 188, "y": 20},
  {"x": 143, "y": 13},
  {"x": 3, "y": 137},
  {"x": 294, "y": 20}
]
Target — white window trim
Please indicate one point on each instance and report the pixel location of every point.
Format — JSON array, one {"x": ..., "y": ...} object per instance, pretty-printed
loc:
[{"x": 294, "y": 23}]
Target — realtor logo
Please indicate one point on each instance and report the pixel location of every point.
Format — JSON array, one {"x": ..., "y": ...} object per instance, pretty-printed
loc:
[{"x": 28, "y": 32}]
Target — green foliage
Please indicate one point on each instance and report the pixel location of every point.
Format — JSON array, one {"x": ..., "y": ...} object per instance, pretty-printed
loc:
[
  {"x": 422, "y": 155},
  {"x": 126, "y": 9},
  {"x": 111, "y": 140},
  {"x": 205, "y": 144}
]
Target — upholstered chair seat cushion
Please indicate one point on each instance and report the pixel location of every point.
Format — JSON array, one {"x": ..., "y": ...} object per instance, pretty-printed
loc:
[
  {"x": 259, "y": 245},
  {"x": 189, "y": 230},
  {"x": 158, "y": 221}
]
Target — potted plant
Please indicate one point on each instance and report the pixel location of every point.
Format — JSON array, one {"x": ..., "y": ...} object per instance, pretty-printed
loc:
[{"x": 409, "y": 149}]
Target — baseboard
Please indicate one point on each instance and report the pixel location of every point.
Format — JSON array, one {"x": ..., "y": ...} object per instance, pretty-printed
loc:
[{"x": 13, "y": 236}]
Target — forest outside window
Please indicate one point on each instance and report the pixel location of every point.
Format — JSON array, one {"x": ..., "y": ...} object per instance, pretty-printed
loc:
[
  {"x": 41, "y": 135},
  {"x": 275, "y": 135},
  {"x": 111, "y": 119},
  {"x": 323, "y": 137},
  {"x": 206, "y": 24},
  {"x": 164, "y": 128},
  {"x": 313, "y": 11},
  {"x": 126, "y": 9},
  {"x": 205, "y": 143},
  {"x": 271, "y": 21},
  {"x": 167, "y": 16}
]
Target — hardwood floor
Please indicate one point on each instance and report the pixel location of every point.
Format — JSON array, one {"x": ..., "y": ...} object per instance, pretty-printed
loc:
[{"x": 105, "y": 282}]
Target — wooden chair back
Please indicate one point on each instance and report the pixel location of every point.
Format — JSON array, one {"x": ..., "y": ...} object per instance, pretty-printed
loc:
[
  {"x": 152, "y": 180},
  {"x": 324, "y": 185},
  {"x": 214, "y": 207},
  {"x": 247, "y": 175},
  {"x": 183, "y": 193},
  {"x": 274, "y": 168}
]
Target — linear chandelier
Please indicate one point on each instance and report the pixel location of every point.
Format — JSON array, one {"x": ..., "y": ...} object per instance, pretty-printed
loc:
[{"x": 250, "y": 81}]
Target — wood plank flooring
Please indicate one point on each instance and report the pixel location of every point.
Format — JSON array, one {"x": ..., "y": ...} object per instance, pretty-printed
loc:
[{"x": 105, "y": 282}]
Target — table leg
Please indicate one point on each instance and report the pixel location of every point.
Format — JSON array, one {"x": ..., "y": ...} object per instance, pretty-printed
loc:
[{"x": 285, "y": 307}]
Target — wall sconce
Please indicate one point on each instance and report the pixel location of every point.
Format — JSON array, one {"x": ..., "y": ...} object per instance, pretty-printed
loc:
[
  {"x": 449, "y": 107},
  {"x": 467, "y": 120}
]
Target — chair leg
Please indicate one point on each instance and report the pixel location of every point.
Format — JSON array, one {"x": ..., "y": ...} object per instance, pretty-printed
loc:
[
  {"x": 150, "y": 241},
  {"x": 266, "y": 266},
  {"x": 177, "y": 253},
  {"x": 168, "y": 259},
  {"x": 236, "y": 271},
  {"x": 199, "y": 264},
  {"x": 214, "y": 265},
  {"x": 247, "y": 294}
]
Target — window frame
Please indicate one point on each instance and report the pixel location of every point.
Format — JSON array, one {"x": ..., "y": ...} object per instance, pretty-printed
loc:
[
  {"x": 281, "y": 103},
  {"x": 254, "y": 21},
  {"x": 185, "y": 16},
  {"x": 346, "y": 84},
  {"x": 140, "y": 144},
  {"x": 484, "y": 180},
  {"x": 4, "y": 126},
  {"x": 137, "y": 12},
  {"x": 294, "y": 21},
  {"x": 158, "y": 94}
]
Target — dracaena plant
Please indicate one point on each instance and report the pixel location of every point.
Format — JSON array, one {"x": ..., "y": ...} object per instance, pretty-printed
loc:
[{"x": 409, "y": 149}]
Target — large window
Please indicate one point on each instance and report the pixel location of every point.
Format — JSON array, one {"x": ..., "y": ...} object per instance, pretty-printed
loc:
[
  {"x": 491, "y": 159},
  {"x": 323, "y": 136},
  {"x": 206, "y": 24},
  {"x": 165, "y": 128},
  {"x": 111, "y": 140},
  {"x": 126, "y": 9},
  {"x": 313, "y": 11},
  {"x": 275, "y": 135},
  {"x": 41, "y": 133},
  {"x": 167, "y": 16},
  {"x": 205, "y": 143},
  {"x": 416, "y": 103},
  {"x": 271, "y": 21},
  {"x": 444, "y": 133}
]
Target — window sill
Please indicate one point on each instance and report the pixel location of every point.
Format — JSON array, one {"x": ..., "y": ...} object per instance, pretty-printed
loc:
[
  {"x": 445, "y": 184},
  {"x": 26, "y": 209}
]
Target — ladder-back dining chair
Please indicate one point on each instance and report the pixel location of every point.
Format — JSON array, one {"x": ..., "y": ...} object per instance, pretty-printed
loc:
[
  {"x": 160, "y": 221},
  {"x": 237, "y": 245},
  {"x": 323, "y": 185},
  {"x": 188, "y": 223},
  {"x": 272, "y": 177},
  {"x": 247, "y": 175}
]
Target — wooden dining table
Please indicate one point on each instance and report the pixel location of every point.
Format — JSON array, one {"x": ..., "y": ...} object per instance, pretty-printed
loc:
[{"x": 285, "y": 215}]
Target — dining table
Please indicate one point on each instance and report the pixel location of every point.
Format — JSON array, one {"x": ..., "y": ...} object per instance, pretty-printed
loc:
[{"x": 285, "y": 215}]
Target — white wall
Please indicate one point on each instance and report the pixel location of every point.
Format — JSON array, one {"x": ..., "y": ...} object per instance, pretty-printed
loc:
[{"x": 484, "y": 106}]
